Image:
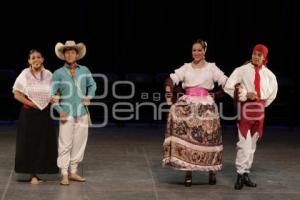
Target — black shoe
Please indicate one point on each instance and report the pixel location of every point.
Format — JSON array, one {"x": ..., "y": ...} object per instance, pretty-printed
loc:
[
  {"x": 248, "y": 182},
  {"x": 188, "y": 179},
  {"x": 239, "y": 182},
  {"x": 212, "y": 178}
]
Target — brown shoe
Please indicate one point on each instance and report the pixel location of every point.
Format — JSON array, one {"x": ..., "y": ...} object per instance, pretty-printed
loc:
[
  {"x": 64, "y": 180},
  {"x": 76, "y": 177}
]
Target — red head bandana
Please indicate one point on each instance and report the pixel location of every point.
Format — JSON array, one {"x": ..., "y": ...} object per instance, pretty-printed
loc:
[{"x": 264, "y": 50}]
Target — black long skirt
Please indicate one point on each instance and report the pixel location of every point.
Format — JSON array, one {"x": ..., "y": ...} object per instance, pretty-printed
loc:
[{"x": 36, "y": 146}]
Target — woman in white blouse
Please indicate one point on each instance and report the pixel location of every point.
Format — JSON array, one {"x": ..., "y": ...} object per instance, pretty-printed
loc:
[
  {"x": 193, "y": 139},
  {"x": 36, "y": 143}
]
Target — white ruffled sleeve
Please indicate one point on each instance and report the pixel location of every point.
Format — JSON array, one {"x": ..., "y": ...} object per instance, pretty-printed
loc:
[
  {"x": 234, "y": 79},
  {"x": 178, "y": 75},
  {"x": 219, "y": 75},
  {"x": 20, "y": 83}
]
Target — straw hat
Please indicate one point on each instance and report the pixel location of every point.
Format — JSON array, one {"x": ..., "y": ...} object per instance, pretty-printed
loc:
[{"x": 70, "y": 44}]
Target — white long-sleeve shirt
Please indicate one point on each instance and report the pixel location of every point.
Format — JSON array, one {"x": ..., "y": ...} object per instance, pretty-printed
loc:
[
  {"x": 204, "y": 77},
  {"x": 245, "y": 75}
]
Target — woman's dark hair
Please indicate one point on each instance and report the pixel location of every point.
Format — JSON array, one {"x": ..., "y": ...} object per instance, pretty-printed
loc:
[
  {"x": 29, "y": 54},
  {"x": 33, "y": 51},
  {"x": 202, "y": 42}
]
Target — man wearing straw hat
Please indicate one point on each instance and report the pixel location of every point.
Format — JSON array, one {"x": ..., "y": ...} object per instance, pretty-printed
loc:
[{"x": 74, "y": 85}]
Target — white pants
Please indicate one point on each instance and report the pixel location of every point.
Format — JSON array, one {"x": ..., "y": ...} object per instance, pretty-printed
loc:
[
  {"x": 73, "y": 135},
  {"x": 245, "y": 152}
]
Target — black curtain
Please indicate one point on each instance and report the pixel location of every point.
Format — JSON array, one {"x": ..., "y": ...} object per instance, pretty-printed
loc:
[{"x": 153, "y": 36}]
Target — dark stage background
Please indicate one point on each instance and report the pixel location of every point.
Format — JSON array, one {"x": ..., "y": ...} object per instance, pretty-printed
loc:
[{"x": 145, "y": 40}]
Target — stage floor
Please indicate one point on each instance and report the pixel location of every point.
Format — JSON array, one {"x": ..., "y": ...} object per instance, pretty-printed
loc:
[{"x": 125, "y": 163}]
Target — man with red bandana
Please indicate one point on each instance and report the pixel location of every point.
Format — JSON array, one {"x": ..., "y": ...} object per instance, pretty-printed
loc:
[{"x": 254, "y": 87}]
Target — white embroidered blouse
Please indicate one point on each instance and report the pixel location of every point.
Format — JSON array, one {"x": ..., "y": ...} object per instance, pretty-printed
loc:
[
  {"x": 204, "y": 77},
  {"x": 37, "y": 89}
]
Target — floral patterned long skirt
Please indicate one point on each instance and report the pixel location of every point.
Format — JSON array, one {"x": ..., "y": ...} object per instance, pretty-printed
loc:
[{"x": 193, "y": 138}]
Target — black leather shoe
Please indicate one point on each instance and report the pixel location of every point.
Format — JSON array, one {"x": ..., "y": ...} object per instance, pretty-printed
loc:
[
  {"x": 239, "y": 182},
  {"x": 248, "y": 182},
  {"x": 212, "y": 178},
  {"x": 188, "y": 179}
]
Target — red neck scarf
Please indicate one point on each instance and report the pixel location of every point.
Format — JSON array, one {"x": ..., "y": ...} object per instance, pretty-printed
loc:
[
  {"x": 72, "y": 70},
  {"x": 264, "y": 50}
]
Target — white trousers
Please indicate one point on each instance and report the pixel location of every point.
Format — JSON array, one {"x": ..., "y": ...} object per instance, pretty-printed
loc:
[
  {"x": 245, "y": 152},
  {"x": 73, "y": 135}
]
